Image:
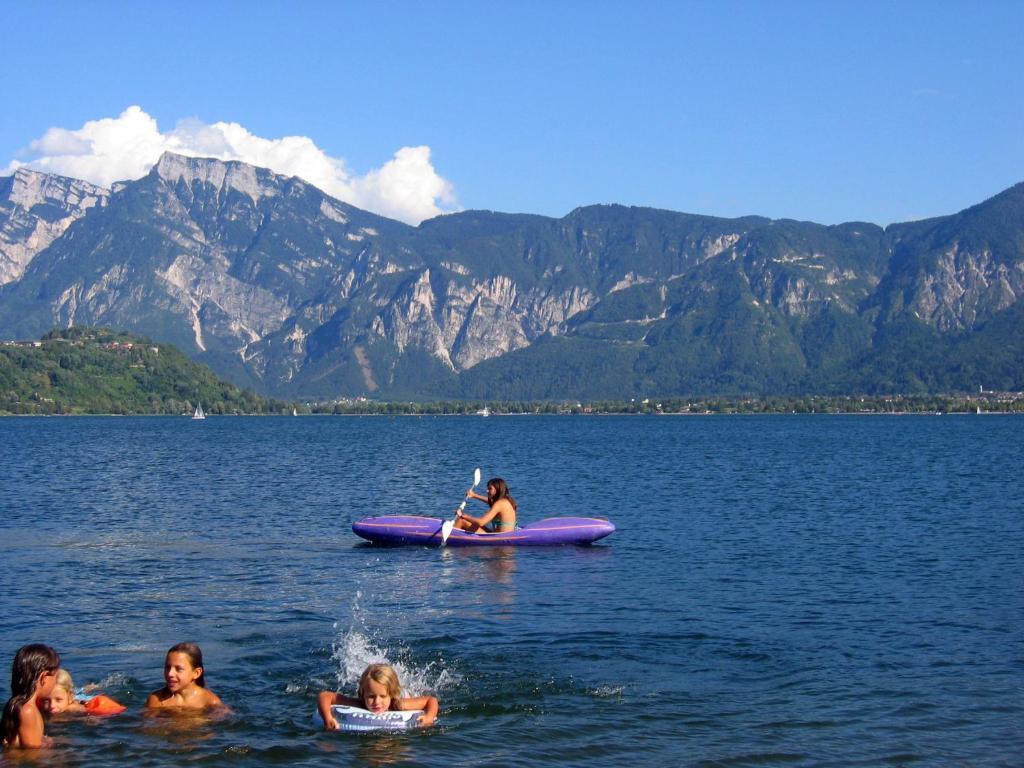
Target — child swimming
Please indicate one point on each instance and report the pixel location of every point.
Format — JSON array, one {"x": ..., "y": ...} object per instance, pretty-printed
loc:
[
  {"x": 33, "y": 675},
  {"x": 62, "y": 696},
  {"x": 379, "y": 691},
  {"x": 63, "y": 699},
  {"x": 185, "y": 682}
]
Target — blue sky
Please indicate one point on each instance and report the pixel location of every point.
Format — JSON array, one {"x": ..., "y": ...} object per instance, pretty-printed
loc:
[{"x": 827, "y": 111}]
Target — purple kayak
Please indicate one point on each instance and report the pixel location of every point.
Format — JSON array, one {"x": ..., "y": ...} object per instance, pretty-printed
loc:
[{"x": 426, "y": 531}]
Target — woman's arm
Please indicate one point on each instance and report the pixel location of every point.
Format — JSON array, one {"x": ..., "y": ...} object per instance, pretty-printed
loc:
[
  {"x": 428, "y": 704},
  {"x": 481, "y": 521}
]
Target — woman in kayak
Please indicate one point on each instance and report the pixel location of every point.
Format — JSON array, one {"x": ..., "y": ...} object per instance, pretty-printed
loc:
[{"x": 499, "y": 518}]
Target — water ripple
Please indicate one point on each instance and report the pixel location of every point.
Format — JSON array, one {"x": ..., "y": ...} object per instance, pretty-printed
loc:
[{"x": 781, "y": 591}]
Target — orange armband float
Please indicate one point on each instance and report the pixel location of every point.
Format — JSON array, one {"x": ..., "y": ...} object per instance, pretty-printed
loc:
[{"x": 103, "y": 705}]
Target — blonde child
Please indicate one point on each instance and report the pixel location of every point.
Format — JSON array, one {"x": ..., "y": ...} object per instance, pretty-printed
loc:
[
  {"x": 379, "y": 691},
  {"x": 62, "y": 699},
  {"x": 62, "y": 696},
  {"x": 33, "y": 675},
  {"x": 185, "y": 683}
]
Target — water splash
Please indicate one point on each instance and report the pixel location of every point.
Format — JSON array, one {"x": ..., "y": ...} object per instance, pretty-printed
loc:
[
  {"x": 354, "y": 651},
  {"x": 607, "y": 692},
  {"x": 355, "y": 647},
  {"x": 116, "y": 681}
]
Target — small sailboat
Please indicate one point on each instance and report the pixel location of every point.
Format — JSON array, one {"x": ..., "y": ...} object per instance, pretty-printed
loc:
[
  {"x": 485, "y": 411},
  {"x": 294, "y": 412},
  {"x": 199, "y": 414}
]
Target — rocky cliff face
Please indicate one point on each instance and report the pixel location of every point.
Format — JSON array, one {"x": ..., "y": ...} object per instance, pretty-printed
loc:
[
  {"x": 958, "y": 272},
  {"x": 35, "y": 209},
  {"x": 965, "y": 288},
  {"x": 233, "y": 261},
  {"x": 281, "y": 287}
]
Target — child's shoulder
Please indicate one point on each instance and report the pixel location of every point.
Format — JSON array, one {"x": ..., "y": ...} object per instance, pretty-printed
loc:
[
  {"x": 346, "y": 700},
  {"x": 203, "y": 699},
  {"x": 31, "y": 726},
  {"x": 158, "y": 697},
  {"x": 408, "y": 703},
  {"x": 211, "y": 699},
  {"x": 29, "y": 710}
]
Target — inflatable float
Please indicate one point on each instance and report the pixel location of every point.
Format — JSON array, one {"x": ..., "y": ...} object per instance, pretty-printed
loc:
[
  {"x": 98, "y": 704},
  {"x": 356, "y": 719},
  {"x": 101, "y": 706},
  {"x": 410, "y": 529}
]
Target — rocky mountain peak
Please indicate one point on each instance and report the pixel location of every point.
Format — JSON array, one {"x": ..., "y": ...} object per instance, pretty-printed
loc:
[
  {"x": 35, "y": 209},
  {"x": 28, "y": 188},
  {"x": 221, "y": 175},
  {"x": 278, "y": 285}
]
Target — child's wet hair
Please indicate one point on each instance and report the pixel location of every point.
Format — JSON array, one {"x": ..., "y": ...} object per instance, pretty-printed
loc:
[
  {"x": 30, "y": 662},
  {"x": 195, "y": 657},
  {"x": 383, "y": 674},
  {"x": 64, "y": 681}
]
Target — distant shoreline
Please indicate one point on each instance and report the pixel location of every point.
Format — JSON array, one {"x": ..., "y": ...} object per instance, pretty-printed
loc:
[
  {"x": 103, "y": 372},
  {"x": 603, "y": 414}
]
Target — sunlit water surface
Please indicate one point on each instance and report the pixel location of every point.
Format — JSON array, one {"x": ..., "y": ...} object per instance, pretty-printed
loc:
[{"x": 781, "y": 590}]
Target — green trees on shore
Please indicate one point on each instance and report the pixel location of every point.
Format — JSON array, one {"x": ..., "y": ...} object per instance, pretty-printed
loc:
[
  {"x": 100, "y": 371},
  {"x": 989, "y": 402}
]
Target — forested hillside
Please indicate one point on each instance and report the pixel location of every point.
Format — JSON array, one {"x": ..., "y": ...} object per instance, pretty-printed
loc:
[{"x": 87, "y": 370}]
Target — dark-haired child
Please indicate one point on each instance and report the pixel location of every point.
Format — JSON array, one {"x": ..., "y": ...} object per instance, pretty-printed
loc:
[
  {"x": 185, "y": 683},
  {"x": 33, "y": 675}
]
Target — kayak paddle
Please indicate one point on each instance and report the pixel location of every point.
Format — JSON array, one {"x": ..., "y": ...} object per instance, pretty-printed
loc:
[{"x": 447, "y": 525}]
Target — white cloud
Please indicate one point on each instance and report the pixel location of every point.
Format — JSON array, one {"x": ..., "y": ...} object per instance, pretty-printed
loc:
[{"x": 407, "y": 187}]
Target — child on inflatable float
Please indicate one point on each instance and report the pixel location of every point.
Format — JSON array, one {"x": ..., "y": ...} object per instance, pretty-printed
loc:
[{"x": 379, "y": 691}]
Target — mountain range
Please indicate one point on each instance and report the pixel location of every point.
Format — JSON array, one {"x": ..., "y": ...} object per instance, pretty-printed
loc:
[{"x": 280, "y": 288}]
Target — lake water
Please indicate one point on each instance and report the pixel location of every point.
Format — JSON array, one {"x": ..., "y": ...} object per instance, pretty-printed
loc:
[{"x": 781, "y": 590}]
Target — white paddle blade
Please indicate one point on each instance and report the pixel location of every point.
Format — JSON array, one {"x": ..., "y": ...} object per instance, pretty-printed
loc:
[{"x": 448, "y": 525}]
